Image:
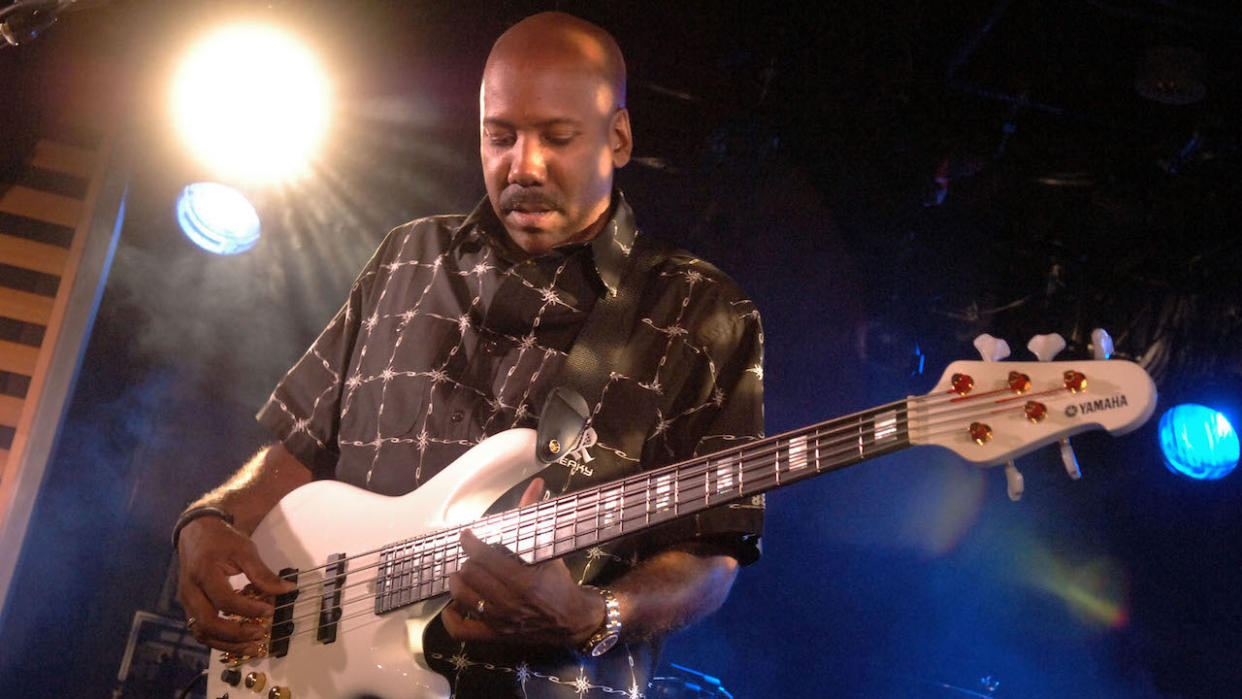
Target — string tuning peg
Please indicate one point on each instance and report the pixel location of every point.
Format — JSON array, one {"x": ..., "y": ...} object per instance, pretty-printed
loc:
[
  {"x": 1070, "y": 460},
  {"x": 991, "y": 349},
  {"x": 1101, "y": 344},
  {"x": 1014, "y": 483},
  {"x": 1045, "y": 347}
]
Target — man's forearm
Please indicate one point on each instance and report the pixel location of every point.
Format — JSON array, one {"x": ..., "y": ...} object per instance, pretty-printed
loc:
[
  {"x": 252, "y": 492},
  {"x": 671, "y": 590}
]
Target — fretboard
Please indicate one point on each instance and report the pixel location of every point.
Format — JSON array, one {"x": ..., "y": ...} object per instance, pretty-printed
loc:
[{"x": 419, "y": 568}]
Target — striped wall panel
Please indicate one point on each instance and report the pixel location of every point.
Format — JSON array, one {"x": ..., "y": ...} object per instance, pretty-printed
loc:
[{"x": 40, "y": 214}]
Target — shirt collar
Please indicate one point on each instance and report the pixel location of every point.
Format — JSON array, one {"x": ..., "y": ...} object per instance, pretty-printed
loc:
[{"x": 610, "y": 249}]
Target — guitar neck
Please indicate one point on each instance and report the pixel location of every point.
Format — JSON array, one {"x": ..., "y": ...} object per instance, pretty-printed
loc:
[
  {"x": 1029, "y": 404},
  {"x": 419, "y": 568}
]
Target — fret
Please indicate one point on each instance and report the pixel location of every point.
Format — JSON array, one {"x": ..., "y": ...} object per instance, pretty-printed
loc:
[
  {"x": 647, "y": 500},
  {"x": 414, "y": 566},
  {"x": 880, "y": 432},
  {"x": 410, "y": 577},
  {"x": 885, "y": 429},
  {"x": 527, "y": 527},
  {"x": 724, "y": 477},
  {"x": 798, "y": 459},
  {"x": 565, "y": 538},
  {"x": 637, "y": 493},
  {"x": 861, "y": 430},
  {"x": 402, "y": 584},
  {"x": 506, "y": 529},
  {"x": 452, "y": 560},
  {"x": 661, "y": 498},
  {"x": 741, "y": 475},
  {"x": 676, "y": 495},
  {"x": 423, "y": 578},
  {"x": 586, "y": 524},
  {"x": 437, "y": 561},
  {"x": 545, "y": 530},
  {"x": 665, "y": 495},
  {"x": 692, "y": 490},
  {"x": 384, "y": 601},
  {"x": 611, "y": 507}
]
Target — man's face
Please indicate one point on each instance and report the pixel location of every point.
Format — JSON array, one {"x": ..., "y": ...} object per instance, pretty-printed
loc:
[{"x": 550, "y": 137}]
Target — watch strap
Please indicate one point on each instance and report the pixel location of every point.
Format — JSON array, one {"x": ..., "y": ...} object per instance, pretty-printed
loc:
[{"x": 606, "y": 636}]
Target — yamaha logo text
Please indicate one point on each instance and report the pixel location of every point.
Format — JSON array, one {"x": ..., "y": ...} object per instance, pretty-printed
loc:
[{"x": 1117, "y": 401}]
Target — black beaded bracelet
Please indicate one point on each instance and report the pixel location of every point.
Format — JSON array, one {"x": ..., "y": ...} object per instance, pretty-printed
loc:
[{"x": 194, "y": 513}]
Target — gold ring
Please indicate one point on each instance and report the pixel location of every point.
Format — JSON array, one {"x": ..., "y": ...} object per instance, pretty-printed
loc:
[
  {"x": 479, "y": 607},
  {"x": 189, "y": 623}
]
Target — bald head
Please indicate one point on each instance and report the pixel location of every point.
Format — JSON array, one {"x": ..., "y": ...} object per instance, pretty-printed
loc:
[
  {"x": 558, "y": 39},
  {"x": 553, "y": 127}
]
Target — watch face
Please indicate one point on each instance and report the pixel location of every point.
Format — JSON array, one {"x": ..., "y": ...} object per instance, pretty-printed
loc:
[{"x": 605, "y": 644}]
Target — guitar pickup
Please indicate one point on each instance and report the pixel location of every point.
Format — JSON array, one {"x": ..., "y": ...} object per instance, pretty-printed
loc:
[
  {"x": 282, "y": 618},
  {"x": 330, "y": 601}
]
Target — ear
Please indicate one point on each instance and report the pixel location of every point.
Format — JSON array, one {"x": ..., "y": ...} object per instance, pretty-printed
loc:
[{"x": 621, "y": 140}]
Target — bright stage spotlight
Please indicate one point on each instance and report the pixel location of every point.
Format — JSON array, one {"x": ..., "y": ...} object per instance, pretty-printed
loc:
[
  {"x": 217, "y": 218},
  {"x": 252, "y": 103},
  {"x": 1198, "y": 441}
]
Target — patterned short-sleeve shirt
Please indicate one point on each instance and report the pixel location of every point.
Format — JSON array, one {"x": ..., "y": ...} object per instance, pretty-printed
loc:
[{"x": 452, "y": 334}]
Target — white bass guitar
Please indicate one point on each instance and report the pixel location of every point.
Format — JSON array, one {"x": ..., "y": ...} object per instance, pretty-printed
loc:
[{"x": 372, "y": 570}]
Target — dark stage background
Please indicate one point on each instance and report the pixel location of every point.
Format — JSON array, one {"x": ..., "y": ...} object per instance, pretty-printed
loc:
[{"x": 887, "y": 180}]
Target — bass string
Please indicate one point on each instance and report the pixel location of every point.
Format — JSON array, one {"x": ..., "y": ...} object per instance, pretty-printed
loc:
[{"x": 748, "y": 456}]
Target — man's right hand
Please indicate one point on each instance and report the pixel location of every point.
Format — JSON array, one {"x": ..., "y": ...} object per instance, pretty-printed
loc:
[{"x": 210, "y": 551}]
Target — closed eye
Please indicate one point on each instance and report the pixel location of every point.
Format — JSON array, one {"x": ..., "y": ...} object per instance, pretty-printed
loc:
[{"x": 560, "y": 137}]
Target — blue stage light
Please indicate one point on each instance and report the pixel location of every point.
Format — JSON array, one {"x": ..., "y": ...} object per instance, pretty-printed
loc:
[
  {"x": 1198, "y": 441},
  {"x": 217, "y": 218}
]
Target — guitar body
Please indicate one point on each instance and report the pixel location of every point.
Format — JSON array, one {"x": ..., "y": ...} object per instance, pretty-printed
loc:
[{"x": 372, "y": 655}]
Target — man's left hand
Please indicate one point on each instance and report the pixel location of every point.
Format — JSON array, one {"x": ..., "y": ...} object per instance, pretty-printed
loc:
[{"x": 499, "y": 597}]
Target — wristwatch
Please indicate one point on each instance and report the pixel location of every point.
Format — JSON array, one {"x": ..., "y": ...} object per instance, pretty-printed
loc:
[{"x": 609, "y": 632}]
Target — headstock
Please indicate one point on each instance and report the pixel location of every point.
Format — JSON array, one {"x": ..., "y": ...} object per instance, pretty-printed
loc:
[{"x": 992, "y": 412}]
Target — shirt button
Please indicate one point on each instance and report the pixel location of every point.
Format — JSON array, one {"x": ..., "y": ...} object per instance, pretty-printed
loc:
[{"x": 457, "y": 416}]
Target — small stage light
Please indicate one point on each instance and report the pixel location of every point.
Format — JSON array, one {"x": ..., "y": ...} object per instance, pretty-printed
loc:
[
  {"x": 217, "y": 218},
  {"x": 252, "y": 103},
  {"x": 1198, "y": 441}
]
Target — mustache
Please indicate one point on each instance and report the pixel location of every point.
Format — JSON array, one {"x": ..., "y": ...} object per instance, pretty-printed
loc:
[{"x": 517, "y": 196}]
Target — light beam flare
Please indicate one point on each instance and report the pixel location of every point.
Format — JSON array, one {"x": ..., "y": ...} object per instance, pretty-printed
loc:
[{"x": 252, "y": 103}]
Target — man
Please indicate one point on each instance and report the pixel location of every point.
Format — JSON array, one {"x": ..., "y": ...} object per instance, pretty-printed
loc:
[{"x": 457, "y": 329}]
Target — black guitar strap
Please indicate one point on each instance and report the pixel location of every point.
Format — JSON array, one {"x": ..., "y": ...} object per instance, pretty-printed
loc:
[{"x": 598, "y": 351}]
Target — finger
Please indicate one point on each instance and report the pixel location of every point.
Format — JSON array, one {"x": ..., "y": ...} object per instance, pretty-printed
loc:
[
  {"x": 465, "y": 598},
  {"x": 231, "y": 632},
  {"x": 496, "y": 559},
  {"x": 225, "y": 598},
  {"x": 218, "y": 632},
  {"x": 477, "y": 583},
  {"x": 260, "y": 575},
  {"x": 498, "y": 606},
  {"x": 534, "y": 492},
  {"x": 463, "y": 629}
]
